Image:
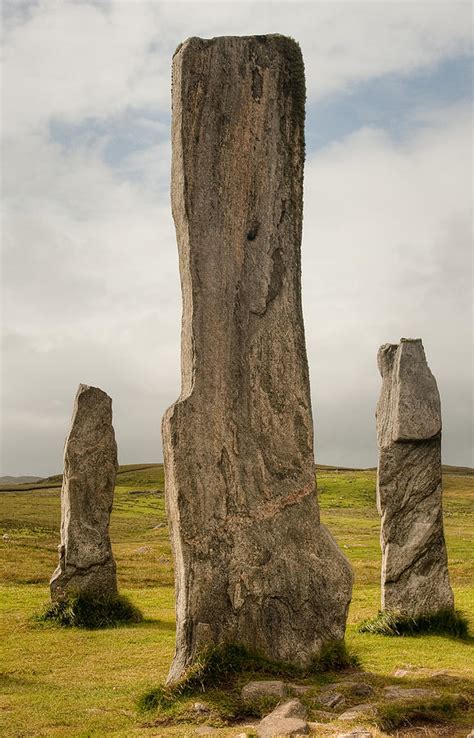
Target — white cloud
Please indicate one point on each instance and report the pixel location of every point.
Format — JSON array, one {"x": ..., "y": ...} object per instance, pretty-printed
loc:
[
  {"x": 71, "y": 60},
  {"x": 90, "y": 276},
  {"x": 387, "y": 253}
]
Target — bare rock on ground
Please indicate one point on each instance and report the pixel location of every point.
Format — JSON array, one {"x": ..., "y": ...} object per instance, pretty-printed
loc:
[
  {"x": 253, "y": 564},
  {"x": 286, "y": 720},
  {"x": 394, "y": 692},
  {"x": 331, "y": 699},
  {"x": 86, "y": 562},
  {"x": 264, "y": 688},
  {"x": 414, "y": 561},
  {"x": 359, "y": 711}
]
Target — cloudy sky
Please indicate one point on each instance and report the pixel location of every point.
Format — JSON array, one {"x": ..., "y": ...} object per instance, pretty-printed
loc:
[{"x": 89, "y": 263}]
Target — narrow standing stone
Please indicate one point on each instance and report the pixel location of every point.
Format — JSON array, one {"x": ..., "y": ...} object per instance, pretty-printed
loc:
[
  {"x": 86, "y": 562},
  {"x": 253, "y": 564},
  {"x": 415, "y": 577}
]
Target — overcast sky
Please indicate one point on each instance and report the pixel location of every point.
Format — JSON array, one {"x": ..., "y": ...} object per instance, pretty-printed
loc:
[{"x": 90, "y": 272}]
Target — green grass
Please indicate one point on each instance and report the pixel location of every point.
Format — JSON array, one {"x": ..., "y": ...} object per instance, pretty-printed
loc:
[
  {"x": 79, "y": 682},
  {"x": 392, "y": 623}
]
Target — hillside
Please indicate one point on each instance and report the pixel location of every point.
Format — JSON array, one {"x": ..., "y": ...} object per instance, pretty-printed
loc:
[
  {"x": 152, "y": 471},
  {"x": 86, "y": 683}
]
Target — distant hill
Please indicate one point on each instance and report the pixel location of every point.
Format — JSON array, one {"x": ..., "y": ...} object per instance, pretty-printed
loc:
[
  {"x": 19, "y": 480},
  {"x": 152, "y": 474}
]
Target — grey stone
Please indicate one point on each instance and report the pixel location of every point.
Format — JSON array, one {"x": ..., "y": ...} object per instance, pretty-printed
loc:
[
  {"x": 291, "y": 709},
  {"x": 330, "y": 699},
  {"x": 356, "y": 733},
  {"x": 264, "y": 688},
  {"x": 297, "y": 689},
  {"x": 253, "y": 564},
  {"x": 205, "y": 730},
  {"x": 361, "y": 689},
  {"x": 394, "y": 692},
  {"x": 322, "y": 715},
  {"x": 86, "y": 562},
  {"x": 414, "y": 561},
  {"x": 277, "y": 727},
  {"x": 359, "y": 711}
]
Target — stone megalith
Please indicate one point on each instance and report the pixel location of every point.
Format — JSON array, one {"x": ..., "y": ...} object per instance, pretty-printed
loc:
[
  {"x": 253, "y": 564},
  {"x": 86, "y": 562},
  {"x": 415, "y": 577}
]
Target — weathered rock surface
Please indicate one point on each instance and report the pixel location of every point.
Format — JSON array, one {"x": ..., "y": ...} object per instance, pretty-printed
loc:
[
  {"x": 414, "y": 562},
  {"x": 356, "y": 733},
  {"x": 86, "y": 562},
  {"x": 365, "y": 710},
  {"x": 394, "y": 692},
  {"x": 253, "y": 564},
  {"x": 361, "y": 689},
  {"x": 264, "y": 688},
  {"x": 331, "y": 699},
  {"x": 298, "y": 689},
  {"x": 286, "y": 720}
]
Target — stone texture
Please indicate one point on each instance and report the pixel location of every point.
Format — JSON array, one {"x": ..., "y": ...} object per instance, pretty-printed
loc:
[
  {"x": 291, "y": 709},
  {"x": 286, "y": 720},
  {"x": 86, "y": 562},
  {"x": 331, "y": 699},
  {"x": 365, "y": 710},
  {"x": 253, "y": 564},
  {"x": 281, "y": 728},
  {"x": 394, "y": 692},
  {"x": 264, "y": 688},
  {"x": 414, "y": 562},
  {"x": 298, "y": 689},
  {"x": 361, "y": 689},
  {"x": 356, "y": 733}
]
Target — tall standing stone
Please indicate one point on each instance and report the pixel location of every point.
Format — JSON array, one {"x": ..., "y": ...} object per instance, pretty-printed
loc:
[
  {"x": 253, "y": 564},
  {"x": 86, "y": 562},
  {"x": 414, "y": 561}
]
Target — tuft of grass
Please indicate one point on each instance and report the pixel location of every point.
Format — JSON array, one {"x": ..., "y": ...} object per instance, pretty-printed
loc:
[
  {"x": 393, "y": 623},
  {"x": 441, "y": 710},
  {"x": 83, "y": 610},
  {"x": 335, "y": 656}
]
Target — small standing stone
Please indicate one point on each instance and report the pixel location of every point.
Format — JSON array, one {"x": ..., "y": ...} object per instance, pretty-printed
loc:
[
  {"x": 415, "y": 577},
  {"x": 86, "y": 562}
]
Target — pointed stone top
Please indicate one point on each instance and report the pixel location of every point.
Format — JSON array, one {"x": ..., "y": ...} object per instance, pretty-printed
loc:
[
  {"x": 410, "y": 401},
  {"x": 91, "y": 417}
]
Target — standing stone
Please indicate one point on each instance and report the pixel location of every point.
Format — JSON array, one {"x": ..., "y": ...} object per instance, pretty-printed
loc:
[
  {"x": 414, "y": 562},
  {"x": 86, "y": 562},
  {"x": 253, "y": 564}
]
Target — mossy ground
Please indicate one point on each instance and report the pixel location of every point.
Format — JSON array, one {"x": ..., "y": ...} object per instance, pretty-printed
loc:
[{"x": 78, "y": 682}]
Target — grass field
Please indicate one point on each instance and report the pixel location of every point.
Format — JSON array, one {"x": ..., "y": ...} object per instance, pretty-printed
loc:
[{"x": 73, "y": 682}]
